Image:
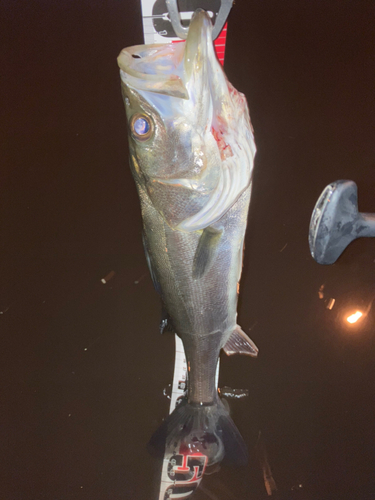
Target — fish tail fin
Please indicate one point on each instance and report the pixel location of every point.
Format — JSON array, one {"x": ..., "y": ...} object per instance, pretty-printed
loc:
[{"x": 198, "y": 429}]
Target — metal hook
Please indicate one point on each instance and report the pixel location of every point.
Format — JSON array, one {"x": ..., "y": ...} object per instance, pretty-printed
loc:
[{"x": 182, "y": 32}]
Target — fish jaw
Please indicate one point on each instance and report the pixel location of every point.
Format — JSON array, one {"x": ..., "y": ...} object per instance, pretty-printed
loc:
[
  {"x": 203, "y": 145},
  {"x": 153, "y": 68}
]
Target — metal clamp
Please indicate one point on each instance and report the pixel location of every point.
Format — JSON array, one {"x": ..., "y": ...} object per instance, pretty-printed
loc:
[
  {"x": 182, "y": 32},
  {"x": 336, "y": 222}
]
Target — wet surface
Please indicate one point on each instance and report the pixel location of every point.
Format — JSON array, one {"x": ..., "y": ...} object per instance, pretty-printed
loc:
[{"x": 83, "y": 365}]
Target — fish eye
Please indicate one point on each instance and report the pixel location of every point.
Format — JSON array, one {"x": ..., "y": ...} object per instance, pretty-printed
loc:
[{"x": 141, "y": 126}]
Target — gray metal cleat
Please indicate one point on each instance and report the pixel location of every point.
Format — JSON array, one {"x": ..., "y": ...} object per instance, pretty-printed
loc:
[{"x": 336, "y": 222}]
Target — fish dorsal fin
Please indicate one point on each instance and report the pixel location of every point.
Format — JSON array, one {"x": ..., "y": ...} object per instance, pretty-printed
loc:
[
  {"x": 206, "y": 251},
  {"x": 239, "y": 343}
]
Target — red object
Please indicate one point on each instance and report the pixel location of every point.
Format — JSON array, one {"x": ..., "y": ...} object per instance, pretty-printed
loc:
[{"x": 220, "y": 43}]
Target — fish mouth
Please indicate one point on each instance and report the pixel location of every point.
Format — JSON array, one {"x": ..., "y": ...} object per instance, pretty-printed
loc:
[{"x": 167, "y": 68}]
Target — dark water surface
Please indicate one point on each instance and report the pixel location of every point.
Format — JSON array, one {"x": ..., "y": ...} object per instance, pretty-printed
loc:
[{"x": 83, "y": 366}]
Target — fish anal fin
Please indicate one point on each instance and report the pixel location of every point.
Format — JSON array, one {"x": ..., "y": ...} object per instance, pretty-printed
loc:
[
  {"x": 239, "y": 343},
  {"x": 206, "y": 251}
]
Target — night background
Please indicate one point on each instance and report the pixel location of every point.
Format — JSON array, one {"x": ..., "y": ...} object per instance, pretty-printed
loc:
[{"x": 83, "y": 366}]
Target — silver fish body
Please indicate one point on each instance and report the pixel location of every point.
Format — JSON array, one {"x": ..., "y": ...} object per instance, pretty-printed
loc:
[{"x": 191, "y": 153}]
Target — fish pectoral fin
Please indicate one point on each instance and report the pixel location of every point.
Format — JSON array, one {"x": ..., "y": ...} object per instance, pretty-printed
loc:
[
  {"x": 206, "y": 251},
  {"x": 239, "y": 343}
]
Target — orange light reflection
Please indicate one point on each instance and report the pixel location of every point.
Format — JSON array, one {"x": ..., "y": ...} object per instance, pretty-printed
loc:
[{"x": 353, "y": 318}]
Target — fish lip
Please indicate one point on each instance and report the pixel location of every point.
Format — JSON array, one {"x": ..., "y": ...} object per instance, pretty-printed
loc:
[
  {"x": 200, "y": 25},
  {"x": 198, "y": 44},
  {"x": 131, "y": 64},
  {"x": 126, "y": 58}
]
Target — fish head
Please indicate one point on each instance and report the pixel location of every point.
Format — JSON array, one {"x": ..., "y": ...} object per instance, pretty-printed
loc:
[{"x": 190, "y": 137}]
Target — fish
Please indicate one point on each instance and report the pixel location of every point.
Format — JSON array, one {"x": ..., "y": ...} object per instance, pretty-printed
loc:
[{"x": 192, "y": 151}]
